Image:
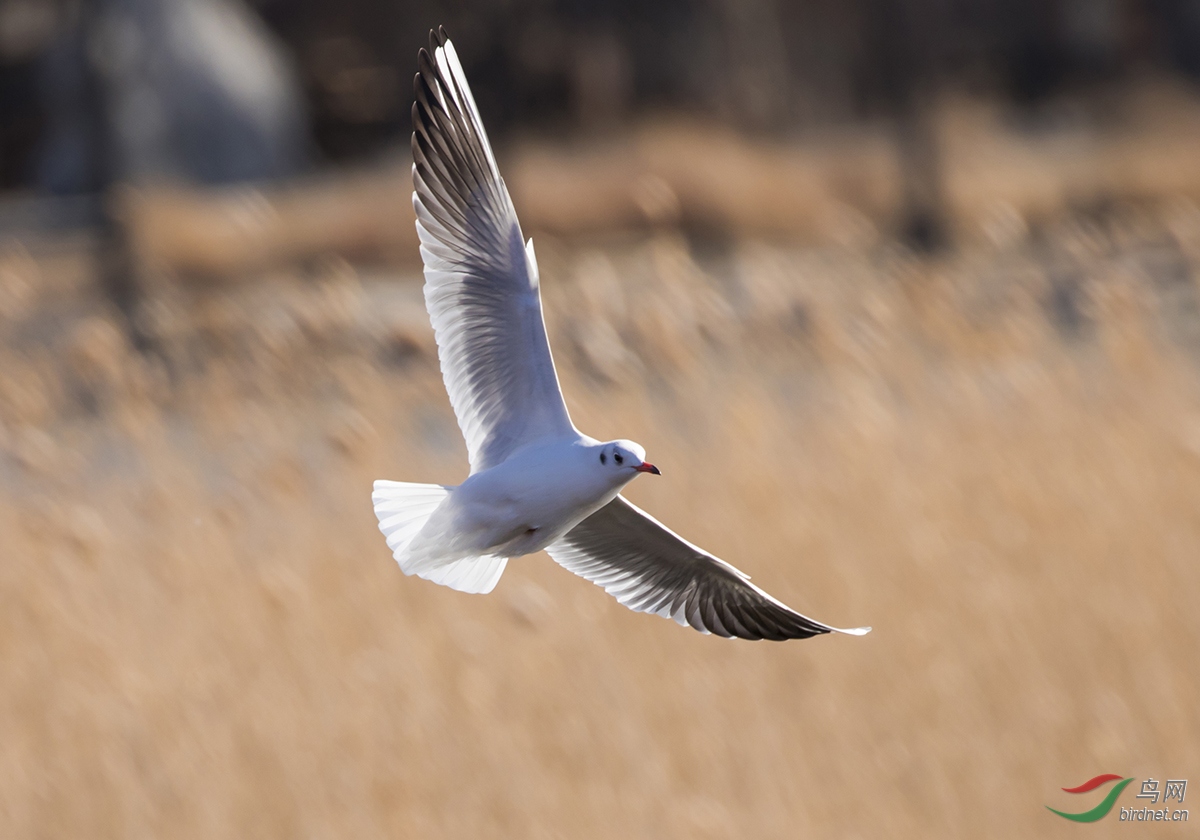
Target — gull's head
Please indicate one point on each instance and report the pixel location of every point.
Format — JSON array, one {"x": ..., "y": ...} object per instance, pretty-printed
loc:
[{"x": 624, "y": 459}]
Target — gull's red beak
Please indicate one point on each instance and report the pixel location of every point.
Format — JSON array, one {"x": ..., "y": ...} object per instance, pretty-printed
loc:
[{"x": 646, "y": 466}]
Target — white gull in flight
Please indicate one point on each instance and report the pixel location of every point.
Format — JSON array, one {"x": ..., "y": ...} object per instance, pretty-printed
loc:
[{"x": 536, "y": 481}]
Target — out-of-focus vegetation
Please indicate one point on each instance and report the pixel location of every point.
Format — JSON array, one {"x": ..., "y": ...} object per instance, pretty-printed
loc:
[
  {"x": 992, "y": 458},
  {"x": 902, "y": 297}
]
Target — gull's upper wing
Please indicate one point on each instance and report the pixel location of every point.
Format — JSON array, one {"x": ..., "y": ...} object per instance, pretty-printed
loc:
[
  {"x": 648, "y": 568},
  {"x": 481, "y": 280}
]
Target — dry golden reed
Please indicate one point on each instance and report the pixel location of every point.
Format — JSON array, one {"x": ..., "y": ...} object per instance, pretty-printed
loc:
[{"x": 993, "y": 458}]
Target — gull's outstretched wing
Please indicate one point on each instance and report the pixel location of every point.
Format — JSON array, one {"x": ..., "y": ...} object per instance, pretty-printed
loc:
[
  {"x": 648, "y": 568},
  {"x": 481, "y": 280}
]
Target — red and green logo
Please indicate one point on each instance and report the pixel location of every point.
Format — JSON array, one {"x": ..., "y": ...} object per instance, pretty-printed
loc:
[{"x": 1106, "y": 805}]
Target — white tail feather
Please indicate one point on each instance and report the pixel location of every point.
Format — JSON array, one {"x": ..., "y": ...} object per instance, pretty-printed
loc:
[
  {"x": 470, "y": 574},
  {"x": 403, "y": 509}
]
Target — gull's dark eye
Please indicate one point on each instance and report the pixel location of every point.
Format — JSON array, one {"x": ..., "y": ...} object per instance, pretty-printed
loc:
[
  {"x": 603, "y": 458},
  {"x": 617, "y": 457}
]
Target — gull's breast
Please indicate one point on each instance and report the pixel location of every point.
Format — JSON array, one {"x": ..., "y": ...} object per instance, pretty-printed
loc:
[{"x": 524, "y": 504}]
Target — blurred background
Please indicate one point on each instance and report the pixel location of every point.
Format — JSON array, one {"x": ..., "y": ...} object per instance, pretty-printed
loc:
[{"x": 902, "y": 296}]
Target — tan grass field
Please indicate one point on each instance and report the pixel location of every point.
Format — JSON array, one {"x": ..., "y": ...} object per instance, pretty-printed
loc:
[{"x": 993, "y": 458}]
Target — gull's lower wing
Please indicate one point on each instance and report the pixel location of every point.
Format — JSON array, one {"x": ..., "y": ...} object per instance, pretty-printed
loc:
[
  {"x": 481, "y": 280},
  {"x": 649, "y": 568}
]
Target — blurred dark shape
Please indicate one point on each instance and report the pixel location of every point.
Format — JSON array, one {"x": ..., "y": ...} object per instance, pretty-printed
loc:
[
  {"x": 204, "y": 90},
  {"x": 141, "y": 90},
  {"x": 600, "y": 79},
  {"x": 762, "y": 65},
  {"x": 1066, "y": 304},
  {"x": 1034, "y": 63},
  {"x": 25, "y": 30},
  {"x": 1092, "y": 31},
  {"x": 1180, "y": 32},
  {"x": 904, "y": 43}
]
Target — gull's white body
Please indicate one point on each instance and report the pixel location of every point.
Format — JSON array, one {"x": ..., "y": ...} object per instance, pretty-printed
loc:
[
  {"x": 536, "y": 481},
  {"x": 521, "y": 505}
]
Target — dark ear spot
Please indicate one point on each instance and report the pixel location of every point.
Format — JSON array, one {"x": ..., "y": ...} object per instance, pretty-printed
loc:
[{"x": 603, "y": 458}]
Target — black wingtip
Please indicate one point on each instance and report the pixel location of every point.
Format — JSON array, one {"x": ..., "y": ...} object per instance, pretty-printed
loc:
[
  {"x": 426, "y": 78},
  {"x": 423, "y": 61},
  {"x": 438, "y": 38},
  {"x": 416, "y": 123},
  {"x": 425, "y": 64}
]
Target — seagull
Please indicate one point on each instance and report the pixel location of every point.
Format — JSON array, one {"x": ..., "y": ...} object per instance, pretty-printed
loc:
[{"x": 536, "y": 481}]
